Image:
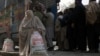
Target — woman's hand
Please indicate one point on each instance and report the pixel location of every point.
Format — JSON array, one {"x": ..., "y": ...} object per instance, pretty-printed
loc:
[{"x": 32, "y": 30}]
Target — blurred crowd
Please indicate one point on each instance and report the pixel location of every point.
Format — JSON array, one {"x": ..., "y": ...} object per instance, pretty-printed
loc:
[
  {"x": 79, "y": 27},
  {"x": 73, "y": 30}
]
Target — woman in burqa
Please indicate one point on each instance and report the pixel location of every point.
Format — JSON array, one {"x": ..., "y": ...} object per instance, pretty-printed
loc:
[{"x": 29, "y": 24}]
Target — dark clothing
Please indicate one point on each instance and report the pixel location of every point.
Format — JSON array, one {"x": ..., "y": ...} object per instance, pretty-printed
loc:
[
  {"x": 93, "y": 37},
  {"x": 71, "y": 38},
  {"x": 80, "y": 26},
  {"x": 57, "y": 1},
  {"x": 70, "y": 30},
  {"x": 77, "y": 34},
  {"x": 93, "y": 26},
  {"x": 67, "y": 21},
  {"x": 97, "y": 27}
]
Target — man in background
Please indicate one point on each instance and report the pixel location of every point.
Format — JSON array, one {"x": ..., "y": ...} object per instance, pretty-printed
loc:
[{"x": 93, "y": 25}]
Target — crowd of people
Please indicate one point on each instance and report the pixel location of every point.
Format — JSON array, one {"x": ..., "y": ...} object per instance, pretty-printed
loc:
[
  {"x": 74, "y": 29},
  {"x": 82, "y": 26},
  {"x": 38, "y": 19}
]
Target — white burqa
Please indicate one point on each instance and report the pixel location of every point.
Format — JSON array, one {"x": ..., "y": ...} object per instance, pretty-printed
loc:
[{"x": 26, "y": 28}]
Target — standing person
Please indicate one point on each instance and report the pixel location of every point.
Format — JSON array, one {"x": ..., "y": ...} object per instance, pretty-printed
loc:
[
  {"x": 37, "y": 12},
  {"x": 70, "y": 30},
  {"x": 29, "y": 24},
  {"x": 58, "y": 30},
  {"x": 49, "y": 24},
  {"x": 40, "y": 11},
  {"x": 60, "y": 34},
  {"x": 79, "y": 15},
  {"x": 68, "y": 22},
  {"x": 64, "y": 30},
  {"x": 93, "y": 22}
]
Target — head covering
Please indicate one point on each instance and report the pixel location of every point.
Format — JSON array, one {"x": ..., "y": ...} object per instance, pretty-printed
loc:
[
  {"x": 30, "y": 12},
  {"x": 26, "y": 21},
  {"x": 33, "y": 22}
]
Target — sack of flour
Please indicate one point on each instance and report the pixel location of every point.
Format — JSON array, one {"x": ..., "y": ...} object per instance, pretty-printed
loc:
[
  {"x": 8, "y": 45},
  {"x": 37, "y": 46}
]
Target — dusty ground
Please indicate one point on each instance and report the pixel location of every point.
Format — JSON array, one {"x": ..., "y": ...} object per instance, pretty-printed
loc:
[{"x": 55, "y": 53}]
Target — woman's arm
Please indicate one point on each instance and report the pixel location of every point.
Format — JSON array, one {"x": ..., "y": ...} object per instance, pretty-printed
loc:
[{"x": 40, "y": 25}]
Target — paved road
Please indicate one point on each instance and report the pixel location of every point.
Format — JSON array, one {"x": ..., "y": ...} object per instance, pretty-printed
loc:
[
  {"x": 59, "y": 53},
  {"x": 56, "y": 53}
]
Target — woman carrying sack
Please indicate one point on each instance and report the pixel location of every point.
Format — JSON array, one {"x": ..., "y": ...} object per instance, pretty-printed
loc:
[{"x": 29, "y": 24}]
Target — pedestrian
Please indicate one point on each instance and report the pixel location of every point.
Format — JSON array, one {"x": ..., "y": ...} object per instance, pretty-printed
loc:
[
  {"x": 58, "y": 29},
  {"x": 79, "y": 15},
  {"x": 39, "y": 10},
  {"x": 49, "y": 24},
  {"x": 93, "y": 24},
  {"x": 29, "y": 24},
  {"x": 60, "y": 34},
  {"x": 70, "y": 30}
]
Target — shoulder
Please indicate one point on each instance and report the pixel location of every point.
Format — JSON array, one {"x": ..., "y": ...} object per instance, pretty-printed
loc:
[
  {"x": 50, "y": 14},
  {"x": 92, "y": 4},
  {"x": 36, "y": 17}
]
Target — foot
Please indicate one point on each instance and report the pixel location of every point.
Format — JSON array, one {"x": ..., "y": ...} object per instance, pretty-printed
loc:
[{"x": 50, "y": 48}]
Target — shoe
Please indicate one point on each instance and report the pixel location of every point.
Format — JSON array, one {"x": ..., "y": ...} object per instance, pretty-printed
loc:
[{"x": 50, "y": 48}]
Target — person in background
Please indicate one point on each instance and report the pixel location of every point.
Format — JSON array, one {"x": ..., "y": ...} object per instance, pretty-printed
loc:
[
  {"x": 79, "y": 19},
  {"x": 40, "y": 11},
  {"x": 49, "y": 24},
  {"x": 70, "y": 29},
  {"x": 68, "y": 22},
  {"x": 58, "y": 29},
  {"x": 64, "y": 45},
  {"x": 93, "y": 24},
  {"x": 29, "y": 24},
  {"x": 37, "y": 12}
]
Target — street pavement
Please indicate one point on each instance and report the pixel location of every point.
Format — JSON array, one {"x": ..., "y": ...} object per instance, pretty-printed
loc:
[
  {"x": 56, "y": 53},
  {"x": 61, "y": 53}
]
